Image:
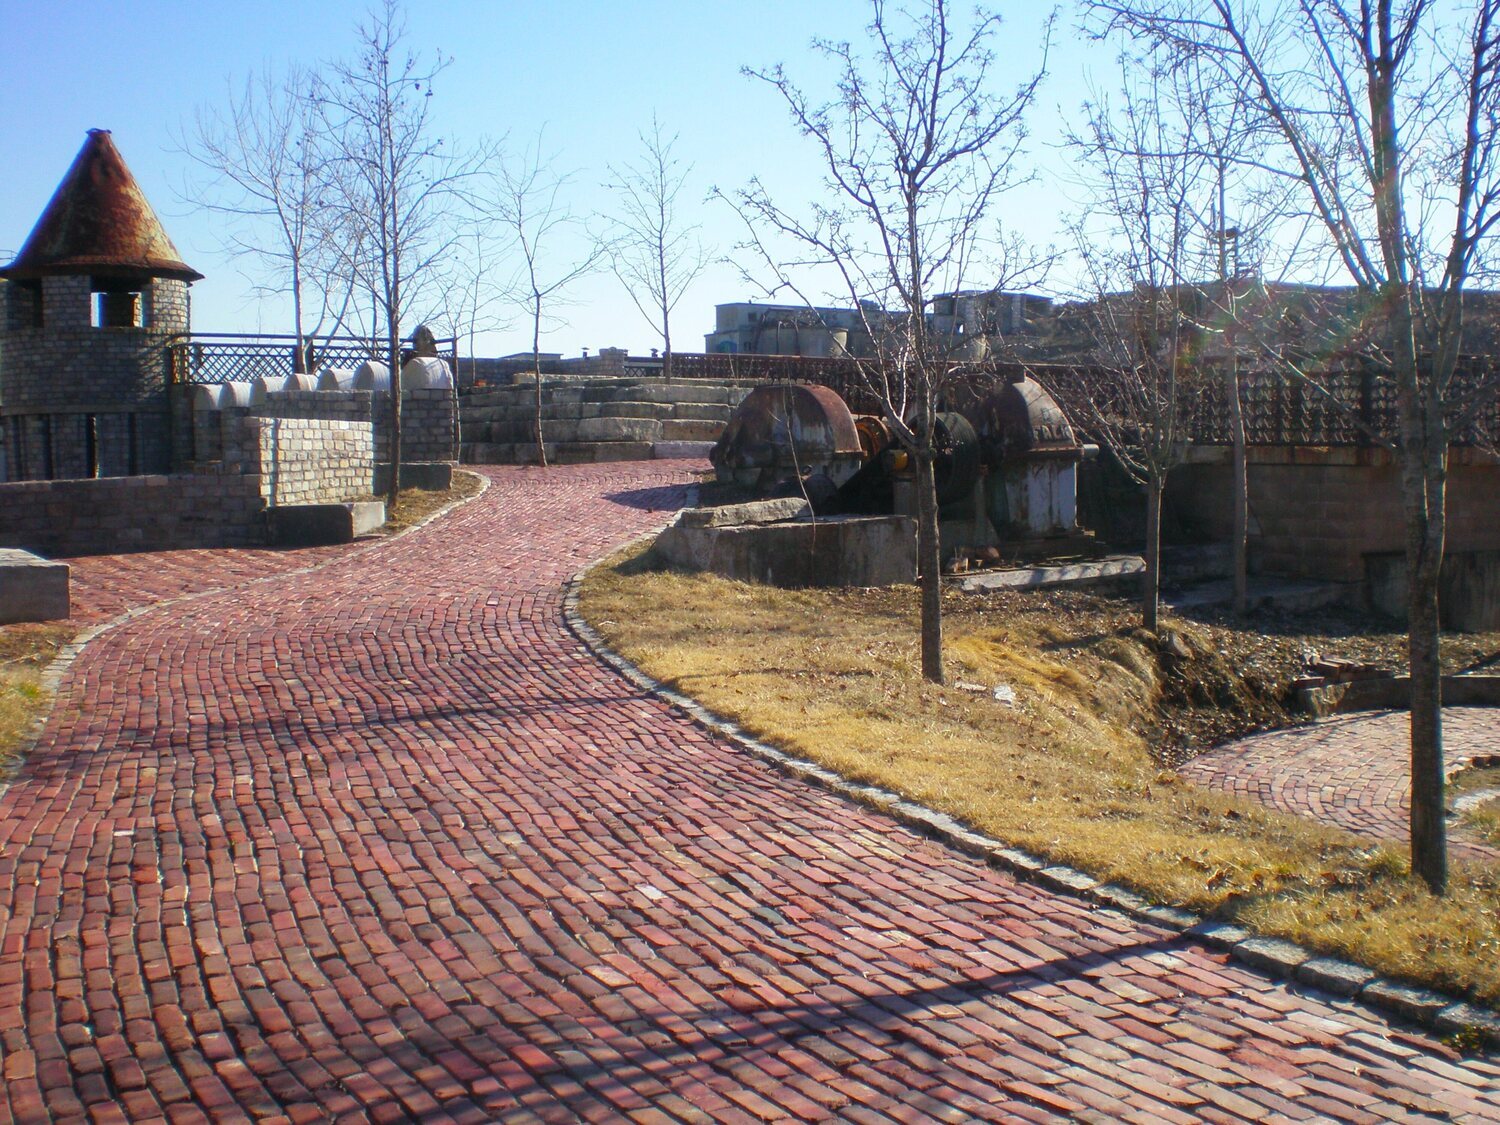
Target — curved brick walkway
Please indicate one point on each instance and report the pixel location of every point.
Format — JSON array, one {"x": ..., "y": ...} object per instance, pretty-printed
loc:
[
  {"x": 1352, "y": 771},
  {"x": 382, "y": 842}
]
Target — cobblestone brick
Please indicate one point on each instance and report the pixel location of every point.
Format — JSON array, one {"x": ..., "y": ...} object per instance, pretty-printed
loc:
[{"x": 380, "y": 840}]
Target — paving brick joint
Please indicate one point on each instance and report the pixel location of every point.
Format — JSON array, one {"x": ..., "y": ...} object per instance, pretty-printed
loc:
[{"x": 382, "y": 841}]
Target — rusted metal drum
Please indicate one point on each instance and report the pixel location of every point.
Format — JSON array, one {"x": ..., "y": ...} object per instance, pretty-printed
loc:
[
  {"x": 1022, "y": 420},
  {"x": 874, "y": 434},
  {"x": 783, "y": 431}
]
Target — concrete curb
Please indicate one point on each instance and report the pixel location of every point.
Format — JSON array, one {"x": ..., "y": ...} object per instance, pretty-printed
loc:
[
  {"x": 1275, "y": 956},
  {"x": 52, "y": 676}
]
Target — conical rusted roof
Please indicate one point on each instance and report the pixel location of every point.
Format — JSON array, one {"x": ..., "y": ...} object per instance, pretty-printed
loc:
[{"x": 99, "y": 223}]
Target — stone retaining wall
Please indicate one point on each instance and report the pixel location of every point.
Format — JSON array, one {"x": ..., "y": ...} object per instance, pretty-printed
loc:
[
  {"x": 1317, "y": 513},
  {"x": 111, "y": 514}
]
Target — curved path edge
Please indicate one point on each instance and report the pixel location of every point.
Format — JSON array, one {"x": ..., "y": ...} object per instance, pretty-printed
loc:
[
  {"x": 57, "y": 668},
  {"x": 1436, "y": 1010}
]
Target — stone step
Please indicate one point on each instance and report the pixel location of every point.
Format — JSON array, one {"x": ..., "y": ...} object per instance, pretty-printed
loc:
[
  {"x": 708, "y": 411},
  {"x": 690, "y": 429},
  {"x": 558, "y": 453}
]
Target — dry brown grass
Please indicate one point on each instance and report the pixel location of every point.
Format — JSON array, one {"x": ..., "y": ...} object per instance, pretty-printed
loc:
[
  {"x": 1065, "y": 772},
  {"x": 25, "y": 651},
  {"x": 413, "y": 505}
]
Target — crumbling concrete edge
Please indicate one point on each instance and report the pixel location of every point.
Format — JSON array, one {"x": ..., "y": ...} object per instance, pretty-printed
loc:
[
  {"x": 52, "y": 676},
  {"x": 1447, "y": 1015}
]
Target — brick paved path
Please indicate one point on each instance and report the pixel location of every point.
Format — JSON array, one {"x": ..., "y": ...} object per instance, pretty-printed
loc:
[
  {"x": 382, "y": 842},
  {"x": 1352, "y": 771}
]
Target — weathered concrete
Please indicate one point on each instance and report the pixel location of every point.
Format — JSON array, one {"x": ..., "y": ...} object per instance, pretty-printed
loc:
[
  {"x": 319, "y": 525},
  {"x": 1111, "y": 569},
  {"x": 842, "y": 551},
  {"x": 756, "y": 511},
  {"x": 32, "y": 588},
  {"x": 1394, "y": 692},
  {"x": 680, "y": 450},
  {"x": 1468, "y": 588}
]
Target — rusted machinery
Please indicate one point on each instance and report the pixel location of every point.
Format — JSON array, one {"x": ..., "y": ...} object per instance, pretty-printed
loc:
[
  {"x": 786, "y": 432},
  {"x": 1006, "y": 468}
]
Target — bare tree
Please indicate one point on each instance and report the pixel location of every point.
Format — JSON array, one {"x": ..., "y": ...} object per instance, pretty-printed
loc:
[
  {"x": 471, "y": 298},
  {"x": 555, "y": 251},
  {"x": 653, "y": 252},
  {"x": 263, "y": 171},
  {"x": 1160, "y": 158},
  {"x": 1136, "y": 248},
  {"x": 1386, "y": 119},
  {"x": 916, "y": 149},
  {"x": 394, "y": 181}
]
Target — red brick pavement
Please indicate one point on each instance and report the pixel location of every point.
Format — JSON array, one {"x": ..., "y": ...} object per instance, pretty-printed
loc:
[
  {"x": 382, "y": 842},
  {"x": 1352, "y": 771}
]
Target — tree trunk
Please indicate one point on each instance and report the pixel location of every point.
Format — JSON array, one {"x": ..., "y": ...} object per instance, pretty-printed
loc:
[
  {"x": 536, "y": 374},
  {"x": 1151, "y": 580},
  {"x": 1423, "y": 485},
  {"x": 1239, "y": 534},
  {"x": 930, "y": 570},
  {"x": 393, "y": 354},
  {"x": 666, "y": 351}
]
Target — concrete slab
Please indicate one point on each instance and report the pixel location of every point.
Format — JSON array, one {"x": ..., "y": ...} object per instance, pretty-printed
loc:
[
  {"x": 678, "y": 450},
  {"x": 841, "y": 551},
  {"x": 1109, "y": 569},
  {"x": 32, "y": 588},
  {"x": 756, "y": 511},
  {"x": 319, "y": 525}
]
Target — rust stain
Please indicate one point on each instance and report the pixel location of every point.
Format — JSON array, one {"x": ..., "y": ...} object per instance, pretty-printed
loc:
[{"x": 99, "y": 222}]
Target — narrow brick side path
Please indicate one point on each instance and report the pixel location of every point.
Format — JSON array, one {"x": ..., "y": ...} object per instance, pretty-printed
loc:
[
  {"x": 383, "y": 842},
  {"x": 1351, "y": 771}
]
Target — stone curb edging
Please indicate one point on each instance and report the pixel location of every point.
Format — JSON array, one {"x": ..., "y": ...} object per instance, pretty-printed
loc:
[
  {"x": 1276, "y": 956},
  {"x": 52, "y": 676}
]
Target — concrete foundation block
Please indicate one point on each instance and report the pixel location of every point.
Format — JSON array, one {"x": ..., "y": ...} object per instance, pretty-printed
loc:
[
  {"x": 319, "y": 525},
  {"x": 843, "y": 551},
  {"x": 681, "y": 450},
  {"x": 32, "y": 588},
  {"x": 691, "y": 429}
]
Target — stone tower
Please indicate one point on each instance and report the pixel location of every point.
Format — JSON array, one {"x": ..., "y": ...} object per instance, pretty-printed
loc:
[{"x": 86, "y": 311}]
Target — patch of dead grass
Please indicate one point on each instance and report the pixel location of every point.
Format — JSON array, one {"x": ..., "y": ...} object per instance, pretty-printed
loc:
[
  {"x": 25, "y": 651},
  {"x": 1065, "y": 772},
  {"x": 413, "y": 505}
]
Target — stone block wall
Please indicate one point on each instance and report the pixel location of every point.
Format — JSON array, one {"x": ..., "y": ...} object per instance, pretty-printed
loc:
[
  {"x": 306, "y": 460},
  {"x": 63, "y": 380},
  {"x": 75, "y": 517},
  {"x": 1317, "y": 513},
  {"x": 429, "y": 425}
]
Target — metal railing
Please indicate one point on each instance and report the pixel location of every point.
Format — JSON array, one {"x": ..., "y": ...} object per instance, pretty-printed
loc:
[{"x": 227, "y": 357}]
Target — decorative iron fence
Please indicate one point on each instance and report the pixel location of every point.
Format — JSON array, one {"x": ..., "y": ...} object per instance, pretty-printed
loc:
[
  {"x": 1343, "y": 403},
  {"x": 222, "y": 357}
]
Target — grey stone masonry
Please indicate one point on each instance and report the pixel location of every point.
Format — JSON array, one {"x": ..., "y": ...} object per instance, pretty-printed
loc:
[
  {"x": 429, "y": 425},
  {"x": 79, "y": 517},
  {"x": 75, "y": 400},
  {"x": 595, "y": 418},
  {"x": 309, "y": 460}
]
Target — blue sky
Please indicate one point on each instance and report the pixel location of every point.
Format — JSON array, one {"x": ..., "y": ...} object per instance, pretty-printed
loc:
[{"x": 590, "y": 72}]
